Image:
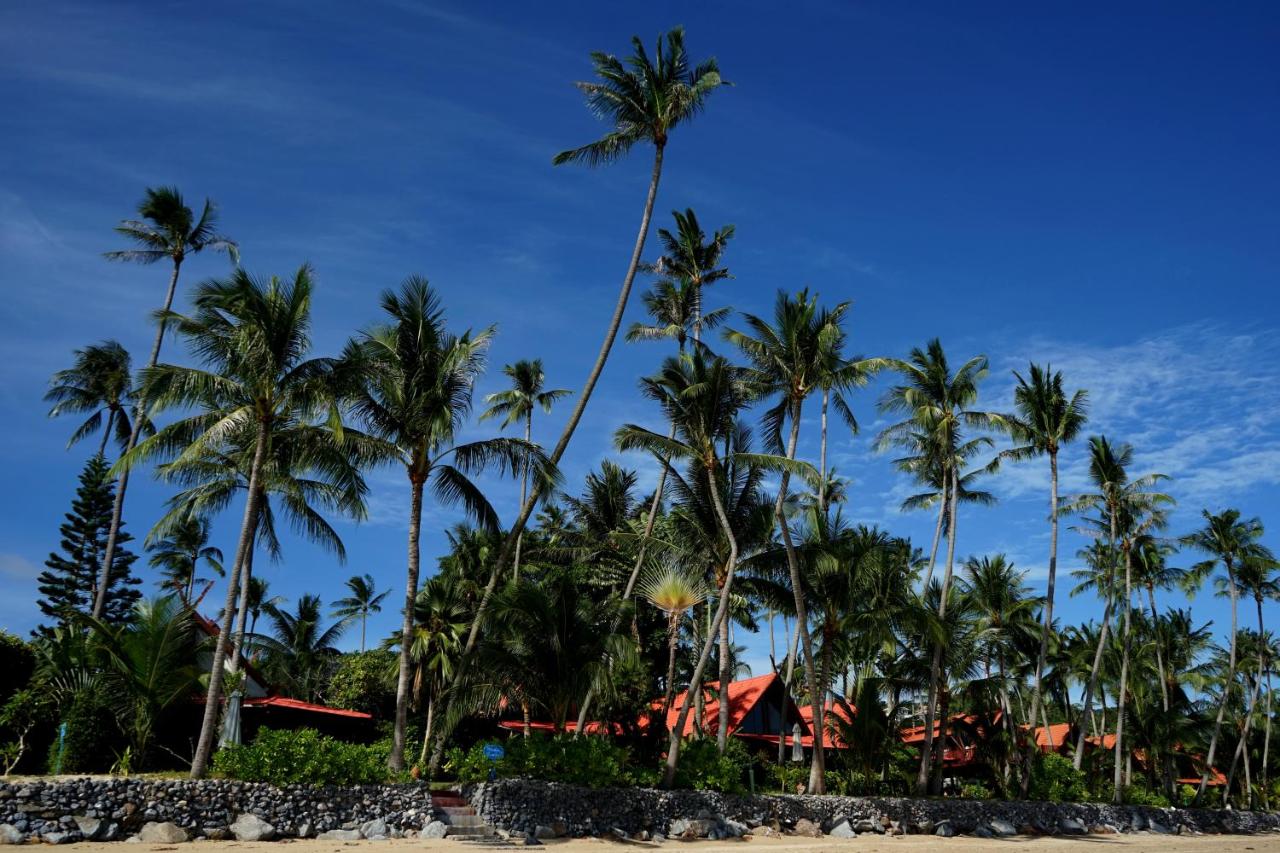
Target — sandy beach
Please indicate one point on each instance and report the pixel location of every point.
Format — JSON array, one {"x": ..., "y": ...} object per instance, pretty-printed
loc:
[{"x": 864, "y": 844}]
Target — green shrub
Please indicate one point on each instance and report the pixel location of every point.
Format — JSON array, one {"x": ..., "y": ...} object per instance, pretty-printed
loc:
[
  {"x": 303, "y": 756},
  {"x": 702, "y": 767},
  {"x": 93, "y": 738},
  {"x": 362, "y": 682},
  {"x": 1054, "y": 779},
  {"x": 1135, "y": 795},
  {"x": 592, "y": 762},
  {"x": 790, "y": 777},
  {"x": 973, "y": 790},
  {"x": 17, "y": 662}
]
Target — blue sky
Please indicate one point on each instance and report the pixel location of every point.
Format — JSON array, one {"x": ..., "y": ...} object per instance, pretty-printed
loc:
[{"x": 1091, "y": 186}]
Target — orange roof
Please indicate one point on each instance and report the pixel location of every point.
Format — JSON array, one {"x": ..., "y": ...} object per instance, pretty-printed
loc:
[
  {"x": 743, "y": 696},
  {"x": 299, "y": 705},
  {"x": 1054, "y": 737},
  {"x": 833, "y": 708}
]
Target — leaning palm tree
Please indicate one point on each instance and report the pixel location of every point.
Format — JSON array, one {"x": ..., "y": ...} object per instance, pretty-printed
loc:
[
  {"x": 702, "y": 396},
  {"x": 179, "y": 553},
  {"x": 516, "y": 405},
  {"x": 1230, "y": 541},
  {"x": 99, "y": 381},
  {"x": 674, "y": 592},
  {"x": 937, "y": 402},
  {"x": 644, "y": 99},
  {"x": 1046, "y": 418},
  {"x": 167, "y": 228},
  {"x": 253, "y": 338},
  {"x": 415, "y": 387},
  {"x": 363, "y": 600}
]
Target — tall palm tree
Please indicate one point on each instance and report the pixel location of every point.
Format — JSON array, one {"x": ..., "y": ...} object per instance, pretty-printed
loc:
[
  {"x": 98, "y": 381},
  {"x": 516, "y": 405},
  {"x": 1257, "y": 577},
  {"x": 644, "y": 99},
  {"x": 1230, "y": 541},
  {"x": 937, "y": 402},
  {"x": 179, "y": 552},
  {"x": 166, "y": 229},
  {"x": 675, "y": 593},
  {"x": 1046, "y": 418},
  {"x": 690, "y": 260},
  {"x": 702, "y": 396},
  {"x": 789, "y": 359},
  {"x": 301, "y": 649},
  {"x": 253, "y": 338},
  {"x": 417, "y": 381},
  {"x": 363, "y": 600}
]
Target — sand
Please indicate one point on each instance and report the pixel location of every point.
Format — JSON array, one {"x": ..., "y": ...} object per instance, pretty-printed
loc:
[{"x": 863, "y": 844}]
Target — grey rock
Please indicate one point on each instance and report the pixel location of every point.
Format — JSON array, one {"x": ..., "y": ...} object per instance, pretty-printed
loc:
[
  {"x": 250, "y": 827},
  {"x": 1071, "y": 826},
  {"x": 945, "y": 830},
  {"x": 341, "y": 835},
  {"x": 736, "y": 829},
  {"x": 1156, "y": 826},
  {"x": 922, "y": 827},
  {"x": 658, "y": 838},
  {"x": 1003, "y": 828},
  {"x": 215, "y": 833},
  {"x": 10, "y": 834},
  {"x": 842, "y": 830},
  {"x": 434, "y": 829},
  {"x": 374, "y": 828},
  {"x": 166, "y": 832},
  {"x": 304, "y": 830},
  {"x": 58, "y": 837},
  {"x": 983, "y": 832},
  {"x": 89, "y": 826},
  {"x": 807, "y": 828},
  {"x": 867, "y": 825},
  {"x": 544, "y": 832},
  {"x": 1138, "y": 821}
]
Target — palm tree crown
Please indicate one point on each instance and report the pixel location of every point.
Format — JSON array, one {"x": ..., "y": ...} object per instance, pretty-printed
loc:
[
  {"x": 167, "y": 228},
  {"x": 98, "y": 381}
]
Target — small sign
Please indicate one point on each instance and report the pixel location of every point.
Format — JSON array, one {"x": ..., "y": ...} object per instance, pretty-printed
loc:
[{"x": 494, "y": 751}]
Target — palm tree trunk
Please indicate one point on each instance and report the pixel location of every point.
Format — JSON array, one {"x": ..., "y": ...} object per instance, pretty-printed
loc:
[
  {"x": 524, "y": 493},
  {"x": 722, "y": 612},
  {"x": 396, "y": 760},
  {"x": 937, "y": 535},
  {"x": 1155, "y": 625},
  {"x": 1087, "y": 705},
  {"x": 242, "y": 610},
  {"x": 726, "y": 675},
  {"x": 817, "y": 692},
  {"x": 1122, "y": 695},
  {"x": 935, "y": 668},
  {"x": 822, "y": 455},
  {"x": 1226, "y": 687},
  {"x": 364, "y": 625},
  {"x": 1047, "y": 625},
  {"x": 673, "y": 642},
  {"x": 122, "y": 481},
  {"x": 1266, "y": 742},
  {"x": 106, "y": 433},
  {"x": 208, "y": 727},
  {"x": 426, "y": 736}
]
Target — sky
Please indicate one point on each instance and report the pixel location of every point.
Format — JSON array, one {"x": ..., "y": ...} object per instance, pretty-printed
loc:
[{"x": 1091, "y": 185}]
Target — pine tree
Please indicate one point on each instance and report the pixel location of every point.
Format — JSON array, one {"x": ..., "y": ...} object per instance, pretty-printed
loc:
[{"x": 68, "y": 585}]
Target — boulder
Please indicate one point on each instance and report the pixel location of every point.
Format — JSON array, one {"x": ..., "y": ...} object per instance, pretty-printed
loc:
[
  {"x": 983, "y": 832},
  {"x": 735, "y": 829},
  {"x": 944, "y": 829},
  {"x": 343, "y": 835},
  {"x": 9, "y": 834},
  {"x": 867, "y": 825},
  {"x": 162, "y": 833},
  {"x": 677, "y": 827},
  {"x": 1103, "y": 829},
  {"x": 1071, "y": 826},
  {"x": 807, "y": 828},
  {"x": 89, "y": 826},
  {"x": 250, "y": 827},
  {"x": 58, "y": 837},
  {"x": 434, "y": 829},
  {"x": 922, "y": 827},
  {"x": 842, "y": 830},
  {"x": 544, "y": 832},
  {"x": 1157, "y": 827},
  {"x": 376, "y": 828},
  {"x": 1003, "y": 828}
]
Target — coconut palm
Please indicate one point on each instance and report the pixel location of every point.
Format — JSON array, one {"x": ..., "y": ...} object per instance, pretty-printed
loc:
[
  {"x": 178, "y": 555},
  {"x": 301, "y": 650},
  {"x": 690, "y": 259},
  {"x": 166, "y": 229},
  {"x": 937, "y": 402},
  {"x": 253, "y": 340},
  {"x": 260, "y": 601},
  {"x": 440, "y": 618},
  {"x": 516, "y": 405},
  {"x": 99, "y": 381},
  {"x": 702, "y": 396},
  {"x": 363, "y": 600},
  {"x": 415, "y": 392},
  {"x": 1230, "y": 542},
  {"x": 675, "y": 593},
  {"x": 1257, "y": 577},
  {"x": 1046, "y": 418}
]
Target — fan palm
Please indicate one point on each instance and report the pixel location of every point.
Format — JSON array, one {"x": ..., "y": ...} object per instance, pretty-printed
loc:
[
  {"x": 1231, "y": 542},
  {"x": 1047, "y": 417},
  {"x": 516, "y": 404},
  {"x": 363, "y": 600},
  {"x": 98, "y": 381},
  {"x": 415, "y": 391},
  {"x": 178, "y": 555},
  {"x": 253, "y": 339},
  {"x": 674, "y": 592},
  {"x": 166, "y": 228}
]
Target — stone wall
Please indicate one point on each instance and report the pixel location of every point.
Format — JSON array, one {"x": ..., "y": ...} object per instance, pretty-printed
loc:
[
  {"x": 118, "y": 808},
  {"x": 522, "y": 806}
]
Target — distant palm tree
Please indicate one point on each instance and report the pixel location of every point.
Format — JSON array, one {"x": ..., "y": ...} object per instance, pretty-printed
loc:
[
  {"x": 301, "y": 648},
  {"x": 166, "y": 228},
  {"x": 178, "y": 555},
  {"x": 415, "y": 391},
  {"x": 1258, "y": 578},
  {"x": 674, "y": 592},
  {"x": 99, "y": 381},
  {"x": 1046, "y": 418},
  {"x": 516, "y": 405},
  {"x": 690, "y": 259},
  {"x": 440, "y": 621},
  {"x": 1230, "y": 541},
  {"x": 363, "y": 600},
  {"x": 260, "y": 601}
]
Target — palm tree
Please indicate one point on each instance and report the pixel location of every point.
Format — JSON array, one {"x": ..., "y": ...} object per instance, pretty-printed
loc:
[
  {"x": 253, "y": 338},
  {"x": 644, "y": 100},
  {"x": 790, "y": 359},
  {"x": 692, "y": 261},
  {"x": 259, "y": 602},
  {"x": 1046, "y": 418},
  {"x": 301, "y": 649},
  {"x": 516, "y": 404},
  {"x": 1257, "y": 577},
  {"x": 363, "y": 600},
  {"x": 674, "y": 592},
  {"x": 166, "y": 228},
  {"x": 99, "y": 381},
  {"x": 1230, "y": 542},
  {"x": 702, "y": 396},
  {"x": 417, "y": 381},
  {"x": 179, "y": 552},
  {"x": 937, "y": 402},
  {"x": 440, "y": 620}
]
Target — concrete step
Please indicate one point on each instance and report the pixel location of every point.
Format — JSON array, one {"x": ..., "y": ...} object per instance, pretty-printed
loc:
[{"x": 464, "y": 820}]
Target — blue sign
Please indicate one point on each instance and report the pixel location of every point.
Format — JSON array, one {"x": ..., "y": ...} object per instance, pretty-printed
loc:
[{"x": 494, "y": 751}]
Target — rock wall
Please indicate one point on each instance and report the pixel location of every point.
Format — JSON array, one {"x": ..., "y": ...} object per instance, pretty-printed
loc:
[
  {"x": 524, "y": 806},
  {"x": 118, "y": 808}
]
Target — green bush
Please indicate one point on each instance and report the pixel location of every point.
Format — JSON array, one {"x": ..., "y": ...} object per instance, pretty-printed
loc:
[
  {"x": 1054, "y": 779},
  {"x": 1135, "y": 795},
  {"x": 973, "y": 790},
  {"x": 362, "y": 682},
  {"x": 93, "y": 737},
  {"x": 593, "y": 762},
  {"x": 790, "y": 777},
  {"x": 17, "y": 662},
  {"x": 702, "y": 767},
  {"x": 303, "y": 756}
]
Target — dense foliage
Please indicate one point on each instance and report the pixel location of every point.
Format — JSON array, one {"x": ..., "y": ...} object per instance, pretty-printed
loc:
[{"x": 305, "y": 757}]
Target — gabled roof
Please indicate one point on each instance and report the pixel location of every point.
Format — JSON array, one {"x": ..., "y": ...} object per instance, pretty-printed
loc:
[{"x": 743, "y": 696}]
